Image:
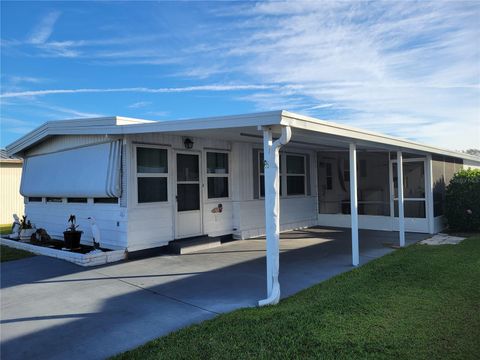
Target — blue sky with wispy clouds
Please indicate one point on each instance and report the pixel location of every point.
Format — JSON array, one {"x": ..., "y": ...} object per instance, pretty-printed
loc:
[{"x": 410, "y": 69}]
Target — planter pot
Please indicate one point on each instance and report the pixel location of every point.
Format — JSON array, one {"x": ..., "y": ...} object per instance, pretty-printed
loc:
[
  {"x": 26, "y": 234},
  {"x": 72, "y": 239}
]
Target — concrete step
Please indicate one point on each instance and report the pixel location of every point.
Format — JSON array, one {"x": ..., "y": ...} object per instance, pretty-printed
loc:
[{"x": 190, "y": 245}]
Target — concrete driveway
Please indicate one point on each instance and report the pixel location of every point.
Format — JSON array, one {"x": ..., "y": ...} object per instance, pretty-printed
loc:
[{"x": 51, "y": 309}]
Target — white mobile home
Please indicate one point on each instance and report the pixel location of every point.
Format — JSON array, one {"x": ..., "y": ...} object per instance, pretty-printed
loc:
[{"x": 148, "y": 183}]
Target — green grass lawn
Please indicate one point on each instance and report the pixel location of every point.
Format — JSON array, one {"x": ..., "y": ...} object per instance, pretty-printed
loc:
[
  {"x": 421, "y": 302},
  {"x": 5, "y": 229},
  {"x": 9, "y": 254}
]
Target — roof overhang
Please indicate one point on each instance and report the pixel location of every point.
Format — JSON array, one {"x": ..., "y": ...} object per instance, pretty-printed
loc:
[
  {"x": 11, "y": 161},
  {"x": 348, "y": 134},
  {"x": 309, "y": 131}
]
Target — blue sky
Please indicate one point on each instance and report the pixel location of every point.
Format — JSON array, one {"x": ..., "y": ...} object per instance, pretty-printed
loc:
[{"x": 405, "y": 68}]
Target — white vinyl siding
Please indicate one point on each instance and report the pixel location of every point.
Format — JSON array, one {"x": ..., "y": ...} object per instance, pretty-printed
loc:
[{"x": 11, "y": 200}]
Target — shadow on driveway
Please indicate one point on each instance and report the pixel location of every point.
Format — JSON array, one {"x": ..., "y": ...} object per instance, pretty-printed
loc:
[{"x": 56, "y": 310}]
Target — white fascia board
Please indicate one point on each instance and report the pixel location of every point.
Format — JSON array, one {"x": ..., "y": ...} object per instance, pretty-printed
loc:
[
  {"x": 45, "y": 130},
  {"x": 70, "y": 127},
  {"x": 11, "y": 161},
  {"x": 138, "y": 126},
  {"x": 123, "y": 125},
  {"x": 122, "y": 120},
  {"x": 221, "y": 122},
  {"x": 364, "y": 136}
]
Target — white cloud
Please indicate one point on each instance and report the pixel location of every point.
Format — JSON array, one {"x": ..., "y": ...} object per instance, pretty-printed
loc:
[
  {"x": 321, "y": 106},
  {"x": 214, "y": 87},
  {"x": 158, "y": 113},
  {"x": 406, "y": 68},
  {"x": 44, "y": 28},
  {"x": 139, "y": 104},
  {"x": 56, "y": 111},
  {"x": 16, "y": 126},
  {"x": 25, "y": 79},
  {"x": 412, "y": 67}
]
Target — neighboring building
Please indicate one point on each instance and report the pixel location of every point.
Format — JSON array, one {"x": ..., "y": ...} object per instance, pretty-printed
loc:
[
  {"x": 148, "y": 183},
  {"x": 11, "y": 202}
]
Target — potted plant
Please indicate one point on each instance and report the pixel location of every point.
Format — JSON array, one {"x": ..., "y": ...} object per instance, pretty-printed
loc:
[
  {"x": 71, "y": 235},
  {"x": 26, "y": 229}
]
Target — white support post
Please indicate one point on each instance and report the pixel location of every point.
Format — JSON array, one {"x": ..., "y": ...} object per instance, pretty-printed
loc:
[
  {"x": 271, "y": 182},
  {"x": 272, "y": 210},
  {"x": 429, "y": 194},
  {"x": 354, "y": 204},
  {"x": 401, "y": 215}
]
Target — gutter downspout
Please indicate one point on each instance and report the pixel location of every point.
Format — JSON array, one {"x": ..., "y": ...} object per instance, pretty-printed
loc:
[{"x": 272, "y": 210}]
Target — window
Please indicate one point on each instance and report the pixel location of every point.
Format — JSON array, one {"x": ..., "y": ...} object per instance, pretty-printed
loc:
[
  {"x": 261, "y": 174},
  {"x": 76, "y": 200},
  {"x": 34, "y": 199},
  {"x": 54, "y": 199},
  {"x": 152, "y": 174},
  {"x": 217, "y": 175},
  {"x": 105, "y": 200},
  {"x": 293, "y": 176}
]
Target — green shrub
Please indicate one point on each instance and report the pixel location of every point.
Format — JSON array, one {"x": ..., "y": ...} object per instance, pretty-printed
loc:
[{"x": 463, "y": 201}]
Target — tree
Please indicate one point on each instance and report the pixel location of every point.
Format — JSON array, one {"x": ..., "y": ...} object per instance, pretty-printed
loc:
[{"x": 475, "y": 152}]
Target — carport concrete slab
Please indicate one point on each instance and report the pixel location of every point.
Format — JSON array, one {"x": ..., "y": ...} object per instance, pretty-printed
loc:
[
  {"x": 80, "y": 314},
  {"x": 52, "y": 309}
]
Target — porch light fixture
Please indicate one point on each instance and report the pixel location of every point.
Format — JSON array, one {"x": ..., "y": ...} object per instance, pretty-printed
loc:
[{"x": 188, "y": 143}]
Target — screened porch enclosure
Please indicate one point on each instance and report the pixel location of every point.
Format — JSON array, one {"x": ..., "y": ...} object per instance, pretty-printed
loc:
[{"x": 377, "y": 189}]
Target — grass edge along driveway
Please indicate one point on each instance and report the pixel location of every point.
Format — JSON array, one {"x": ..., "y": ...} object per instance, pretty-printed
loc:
[
  {"x": 420, "y": 302},
  {"x": 8, "y": 253}
]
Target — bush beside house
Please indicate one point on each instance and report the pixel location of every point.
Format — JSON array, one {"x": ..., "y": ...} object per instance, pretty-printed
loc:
[{"x": 463, "y": 201}]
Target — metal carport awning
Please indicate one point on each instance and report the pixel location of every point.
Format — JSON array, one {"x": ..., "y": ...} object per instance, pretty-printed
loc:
[{"x": 272, "y": 205}]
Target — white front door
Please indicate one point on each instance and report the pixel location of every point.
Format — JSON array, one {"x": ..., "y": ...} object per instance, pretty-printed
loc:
[
  {"x": 328, "y": 202},
  {"x": 188, "y": 195}
]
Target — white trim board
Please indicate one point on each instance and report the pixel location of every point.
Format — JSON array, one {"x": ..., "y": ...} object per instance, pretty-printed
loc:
[{"x": 119, "y": 125}]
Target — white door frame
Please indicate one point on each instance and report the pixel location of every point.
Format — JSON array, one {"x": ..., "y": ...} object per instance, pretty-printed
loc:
[
  {"x": 411, "y": 224},
  {"x": 178, "y": 234}
]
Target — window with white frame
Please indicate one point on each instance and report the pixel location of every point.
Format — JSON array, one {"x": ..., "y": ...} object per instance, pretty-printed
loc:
[
  {"x": 296, "y": 174},
  {"x": 151, "y": 174},
  {"x": 261, "y": 174},
  {"x": 217, "y": 175},
  {"x": 293, "y": 176}
]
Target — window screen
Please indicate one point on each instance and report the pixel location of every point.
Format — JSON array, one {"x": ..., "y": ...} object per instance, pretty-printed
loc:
[
  {"x": 188, "y": 197},
  {"x": 152, "y": 174},
  {"x": 151, "y": 160},
  {"x": 152, "y": 189},
  {"x": 105, "y": 200},
  {"x": 77, "y": 200},
  {"x": 217, "y": 175},
  {"x": 295, "y": 175}
]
